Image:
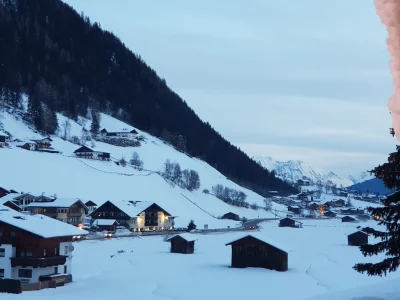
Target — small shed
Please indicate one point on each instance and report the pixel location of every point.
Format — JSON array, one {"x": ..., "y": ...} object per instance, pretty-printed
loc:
[
  {"x": 182, "y": 243},
  {"x": 357, "y": 238},
  {"x": 348, "y": 219},
  {"x": 255, "y": 251},
  {"x": 288, "y": 222},
  {"x": 106, "y": 224},
  {"x": 231, "y": 216}
]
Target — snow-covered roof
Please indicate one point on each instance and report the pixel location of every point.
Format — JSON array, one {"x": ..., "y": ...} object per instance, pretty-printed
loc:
[
  {"x": 131, "y": 209},
  {"x": 8, "y": 197},
  {"x": 264, "y": 239},
  {"x": 186, "y": 236},
  {"x": 104, "y": 222},
  {"x": 38, "y": 224},
  {"x": 59, "y": 202}
]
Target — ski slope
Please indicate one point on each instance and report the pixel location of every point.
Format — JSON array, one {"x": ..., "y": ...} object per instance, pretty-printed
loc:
[{"x": 66, "y": 176}]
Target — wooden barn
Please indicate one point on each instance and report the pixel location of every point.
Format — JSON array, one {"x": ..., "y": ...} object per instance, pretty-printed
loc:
[
  {"x": 348, "y": 219},
  {"x": 2, "y": 140},
  {"x": 358, "y": 238},
  {"x": 288, "y": 222},
  {"x": 231, "y": 216},
  {"x": 254, "y": 251},
  {"x": 182, "y": 243}
]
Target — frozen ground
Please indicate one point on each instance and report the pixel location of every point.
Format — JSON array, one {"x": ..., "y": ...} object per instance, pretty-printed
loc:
[{"x": 320, "y": 265}]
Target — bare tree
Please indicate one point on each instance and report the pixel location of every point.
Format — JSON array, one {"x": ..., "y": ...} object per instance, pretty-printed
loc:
[
  {"x": 136, "y": 162},
  {"x": 267, "y": 204},
  {"x": 65, "y": 129},
  {"x": 122, "y": 161}
]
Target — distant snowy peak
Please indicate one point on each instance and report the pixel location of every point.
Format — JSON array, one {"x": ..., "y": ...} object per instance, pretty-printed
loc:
[
  {"x": 293, "y": 170},
  {"x": 364, "y": 176}
]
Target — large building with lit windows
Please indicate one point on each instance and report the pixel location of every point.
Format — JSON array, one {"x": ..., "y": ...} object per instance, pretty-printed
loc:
[{"x": 135, "y": 215}]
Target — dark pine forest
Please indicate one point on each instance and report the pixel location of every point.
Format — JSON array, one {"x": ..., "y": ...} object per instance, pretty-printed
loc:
[{"x": 66, "y": 63}]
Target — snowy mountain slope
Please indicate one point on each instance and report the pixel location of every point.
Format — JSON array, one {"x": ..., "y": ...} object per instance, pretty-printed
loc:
[
  {"x": 364, "y": 176},
  {"x": 67, "y": 176},
  {"x": 294, "y": 170}
]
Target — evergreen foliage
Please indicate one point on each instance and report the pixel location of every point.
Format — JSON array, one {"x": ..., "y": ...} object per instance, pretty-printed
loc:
[
  {"x": 389, "y": 216},
  {"x": 61, "y": 59}
]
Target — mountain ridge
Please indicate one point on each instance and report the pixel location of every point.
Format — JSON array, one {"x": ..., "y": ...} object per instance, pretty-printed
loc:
[{"x": 294, "y": 170}]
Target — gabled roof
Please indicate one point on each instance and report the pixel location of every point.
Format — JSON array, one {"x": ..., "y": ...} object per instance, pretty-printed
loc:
[
  {"x": 358, "y": 232},
  {"x": 186, "y": 236},
  {"x": 90, "y": 203},
  {"x": 59, "y": 202},
  {"x": 290, "y": 220},
  {"x": 83, "y": 149},
  {"x": 263, "y": 239},
  {"x": 39, "y": 225},
  {"x": 104, "y": 222},
  {"x": 8, "y": 197},
  {"x": 131, "y": 208}
]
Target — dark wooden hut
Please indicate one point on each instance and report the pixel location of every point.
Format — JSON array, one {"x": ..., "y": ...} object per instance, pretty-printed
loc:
[
  {"x": 288, "y": 222},
  {"x": 182, "y": 243},
  {"x": 294, "y": 209},
  {"x": 348, "y": 219},
  {"x": 231, "y": 216},
  {"x": 253, "y": 251},
  {"x": 329, "y": 214},
  {"x": 358, "y": 238}
]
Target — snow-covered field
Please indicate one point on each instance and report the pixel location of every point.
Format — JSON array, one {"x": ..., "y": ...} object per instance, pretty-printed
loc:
[
  {"x": 320, "y": 265},
  {"x": 67, "y": 176}
]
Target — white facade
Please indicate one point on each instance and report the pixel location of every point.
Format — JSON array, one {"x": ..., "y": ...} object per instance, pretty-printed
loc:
[
  {"x": 6, "y": 271},
  {"x": 164, "y": 222}
]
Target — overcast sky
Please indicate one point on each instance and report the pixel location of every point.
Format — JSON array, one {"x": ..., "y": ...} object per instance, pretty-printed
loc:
[{"x": 289, "y": 79}]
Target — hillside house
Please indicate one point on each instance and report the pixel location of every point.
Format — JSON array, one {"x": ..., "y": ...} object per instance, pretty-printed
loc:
[
  {"x": 41, "y": 145},
  {"x": 288, "y": 222},
  {"x": 135, "y": 215},
  {"x": 35, "y": 248},
  {"x": 294, "y": 209},
  {"x": 313, "y": 205},
  {"x": 337, "y": 203},
  {"x": 303, "y": 196},
  {"x": 348, "y": 219},
  {"x": 182, "y": 243},
  {"x": 254, "y": 251},
  {"x": 358, "y": 238},
  {"x": 231, "y": 216},
  {"x": 106, "y": 225},
  {"x": 86, "y": 152},
  {"x": 303, "y": 182},
  {"x": 68, "y": 210},
  {"x": 3, "y": 141},
  {"x": 125, "y": 133}
]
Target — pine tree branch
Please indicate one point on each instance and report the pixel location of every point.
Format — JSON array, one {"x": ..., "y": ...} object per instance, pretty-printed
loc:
[{"x": 379, "y": 269}]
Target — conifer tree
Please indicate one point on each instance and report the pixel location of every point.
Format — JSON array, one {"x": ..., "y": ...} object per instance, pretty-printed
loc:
[{"x": 389, "y": 216}]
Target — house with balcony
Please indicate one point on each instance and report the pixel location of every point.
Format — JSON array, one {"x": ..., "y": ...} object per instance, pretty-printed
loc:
[
  {"x": 135, "y": 215},
  {"x": 68, "y": 210},
  {"x": 3, "y": 141},
  {"x": 35, "y": 248}
]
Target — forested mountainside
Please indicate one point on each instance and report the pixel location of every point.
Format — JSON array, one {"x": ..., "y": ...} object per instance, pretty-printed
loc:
[{"x": 65, "y": 63}]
